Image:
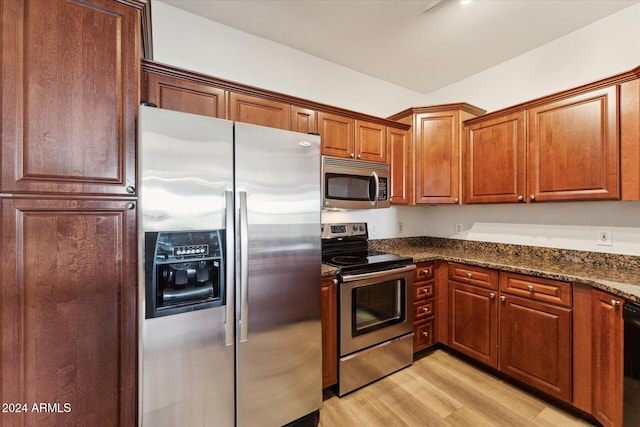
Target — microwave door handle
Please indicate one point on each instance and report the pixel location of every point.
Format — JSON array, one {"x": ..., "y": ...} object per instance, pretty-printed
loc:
[{"x": 376, "y": 180}]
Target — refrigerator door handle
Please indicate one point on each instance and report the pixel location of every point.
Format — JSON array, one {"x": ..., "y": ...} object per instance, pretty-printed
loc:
[
  {"x": 230, "y": 273},
  {"x": 244, "y": 268}
]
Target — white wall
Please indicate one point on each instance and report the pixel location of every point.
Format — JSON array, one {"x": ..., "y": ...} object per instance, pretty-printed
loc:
[
  {"x": 188, "y": 41},
  {"x": 607, "y": 47}
]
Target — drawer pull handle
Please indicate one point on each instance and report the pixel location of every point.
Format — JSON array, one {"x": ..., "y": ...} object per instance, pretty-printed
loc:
[
  {"x": 425, "y": 309},
  {"x": 425, "y": 272},
  {"x": 426, "y": 291},
  {"x": 492, "y": 295},
  {"x": 469, "y": 275},
  {"x": 530, "y": 288},
  {"x": 615, "y": 303},
  {"x": 503, "y": 298},
  {"x": 425, "y": 333}
]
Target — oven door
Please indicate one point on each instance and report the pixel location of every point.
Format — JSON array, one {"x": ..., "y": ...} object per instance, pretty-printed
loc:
[{"x": 375, "y": 307}]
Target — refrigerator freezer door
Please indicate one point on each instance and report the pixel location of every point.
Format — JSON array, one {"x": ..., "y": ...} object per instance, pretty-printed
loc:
[
  {"x": 279, "y": 377},
  {"x": 187, "y": 359}
]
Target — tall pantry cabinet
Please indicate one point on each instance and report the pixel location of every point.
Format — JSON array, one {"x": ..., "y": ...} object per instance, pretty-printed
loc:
[{"x": 69, "y": 85}]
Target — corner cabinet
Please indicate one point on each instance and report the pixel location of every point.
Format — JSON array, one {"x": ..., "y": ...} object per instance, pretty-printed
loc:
[{"x": 69, "y": 87}]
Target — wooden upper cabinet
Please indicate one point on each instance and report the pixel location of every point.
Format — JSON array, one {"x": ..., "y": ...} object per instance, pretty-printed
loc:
[
  {"x": 630, "y": 139},
  {"x": 494, "y": 160},
  {"x": 401, "y": 166},
  {"x": 370, "y": 141},
  {"x": 178, "y": 94},
  {"x": 69, "y": 79},
  {"x": 259, "y": 111},
  {"x": 608, "y": 362},
  {"x": 336, "y": 134},
  {"x": 304, "y": 120},
  {"x": 573, "y": 147}
]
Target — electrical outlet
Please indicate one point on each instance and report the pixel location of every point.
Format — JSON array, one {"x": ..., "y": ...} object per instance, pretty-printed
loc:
[
  {"x": 604, "y": 238},
  {"x": 458, "y": 228},
  {"x": 400, "y": 227}
]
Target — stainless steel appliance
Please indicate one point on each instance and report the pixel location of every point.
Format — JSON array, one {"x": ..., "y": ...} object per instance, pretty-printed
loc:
[
  {"x": 354, "y": 184},
  {"x": 631, "y": 316},
  {"x": 230, "y": 328},
  {"x": 375, "y": 315}
]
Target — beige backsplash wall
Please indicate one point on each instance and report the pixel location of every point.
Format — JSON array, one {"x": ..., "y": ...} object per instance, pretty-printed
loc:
[{"x": 571, "y": 225}]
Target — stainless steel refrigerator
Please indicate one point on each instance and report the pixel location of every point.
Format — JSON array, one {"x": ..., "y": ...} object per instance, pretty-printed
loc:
[{"x": 229, "y": 238}]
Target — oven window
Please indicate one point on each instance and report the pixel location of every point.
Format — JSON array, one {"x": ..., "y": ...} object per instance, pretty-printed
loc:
[
  {"x": 377, "y": 306},
  {"x": 349, "y": 187}
]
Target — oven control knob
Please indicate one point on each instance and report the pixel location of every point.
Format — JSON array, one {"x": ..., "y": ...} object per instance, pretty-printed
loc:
[{"x": 362, "y": 228}]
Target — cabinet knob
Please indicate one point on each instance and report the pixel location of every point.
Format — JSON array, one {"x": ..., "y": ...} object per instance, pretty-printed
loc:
[
  {"x": 425, "y": 309},
  {"x": 130, "y": 189},
  {"x": 425, "y": 333},
  {"x": 425, "y": 271},
  {"x": 335, "y": 281},
  {"x": 530, "y": 288},
  {"x": 469, "y": 275},
  {"x": 359, "y": 155},
  {"x": 615, "y": 303},
  {"x": 492, "y": 295},
  {"x": 532, "y": 197},
  {"x": 520, "y": 198},
  {"x": 503, "y": 298},
  {"x": 130, "y": 206},
  {"x": 425, "y": 290},
  {"x": 351, "y": 155},
  {"x": 455, "y": 200}
]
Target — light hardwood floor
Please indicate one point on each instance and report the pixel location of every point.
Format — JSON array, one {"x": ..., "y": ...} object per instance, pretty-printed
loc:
[{"x": 441, "y": 390}]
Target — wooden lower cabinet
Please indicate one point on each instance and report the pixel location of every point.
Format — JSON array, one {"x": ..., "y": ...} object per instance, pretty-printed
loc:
[
  {"x": 608, "y": 354},
  {"x": 69, "y": 325},
  {"x": 329, "y": 308},
  {"x": 424, "y": 304},
  {"x": 535, "y": 344}
]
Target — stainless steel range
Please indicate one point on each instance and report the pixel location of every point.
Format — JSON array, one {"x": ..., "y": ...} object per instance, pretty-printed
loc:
[{"x": 375, "y": 315}]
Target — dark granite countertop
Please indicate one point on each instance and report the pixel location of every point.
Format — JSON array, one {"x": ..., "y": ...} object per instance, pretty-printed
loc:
[{"x": 617, "y": 274}]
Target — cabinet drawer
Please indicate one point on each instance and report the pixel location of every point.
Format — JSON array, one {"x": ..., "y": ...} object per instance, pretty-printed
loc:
[
  {"x": 474, "y": 275},
  {"x": 423, "y": 272},
  {"x": 422, "y": 310},
  {"x": 535, "y": 288},
  {"x": 423, "y": 335},
  {"x": 423, "y": 290}
]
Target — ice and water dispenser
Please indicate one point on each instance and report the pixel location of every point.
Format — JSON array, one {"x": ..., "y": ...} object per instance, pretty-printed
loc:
[{"x": 183, "y": 271}]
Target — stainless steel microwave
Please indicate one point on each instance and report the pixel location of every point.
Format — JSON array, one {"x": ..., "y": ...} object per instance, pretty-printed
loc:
[{"x": 354, "y": 184}]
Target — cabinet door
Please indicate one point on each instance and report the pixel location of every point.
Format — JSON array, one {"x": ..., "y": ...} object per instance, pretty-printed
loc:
[
  {"x": 304, "y": 120},
  {"x": 437, "y": 157},
  {"x": 473, "y": 322},
  {"x": 186, "y": 96},
  {"x": 259, "y": 111},
  {"x": 69, "y": 79},
  {"x": 494, "y": 160},
  {"x": 535, "y": 344},
  {"x": 573, "y": 148},
  {"x": 329, "y": 303},
  {"x": 608, "y": 362},
  {"x": 68, "y": 305},
  {"x": 371, "y": 141},
  {"x": 400, "y": 165},
  {"x": 336, "y": 133}
]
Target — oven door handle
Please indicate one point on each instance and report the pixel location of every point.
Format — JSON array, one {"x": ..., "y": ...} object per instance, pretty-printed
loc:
[{"x": 376, "y": 274}]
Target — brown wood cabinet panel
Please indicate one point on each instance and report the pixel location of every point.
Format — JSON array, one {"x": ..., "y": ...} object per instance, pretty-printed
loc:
[
  {"x": 535, "y": 344},
  {"x": 630, "y": 140},
  {"x": 545, "y": 290},
  {"x": 573, "y": 148},
  {"x": 423, "y": 290},
  {"x": 471, "y": 275},
  {"x": 423, "y": 309},
  {"x": 370, "y": 141},
  {"x": 401, "y": 166},
  {"x": 70, "y": 72},
  {"x": 69, "y": 325},
  {"x": 582, "y": 347},
  {"x": 329, "y": 303},
  {"x": 259, "y": 111},
  {"x": 608, "y": 363},
  {"x": 336, "y": 134},
  {"x": 424, "y": 271},
  {"x": 186, "y": 96},
  {"x": 304, "y": 120},
  {"x": 473, "y": 322},
  {"x": 495, "y": 160},
  {"x": 423, "y": 335},
  {"x": 437, "y": 145}
]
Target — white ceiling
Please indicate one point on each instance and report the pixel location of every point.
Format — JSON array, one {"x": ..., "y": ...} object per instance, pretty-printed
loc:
[{"x": 417, "y": 44}]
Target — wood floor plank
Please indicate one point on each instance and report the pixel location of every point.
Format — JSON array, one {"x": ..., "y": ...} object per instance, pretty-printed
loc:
[{"x": 440, "y": 390}]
